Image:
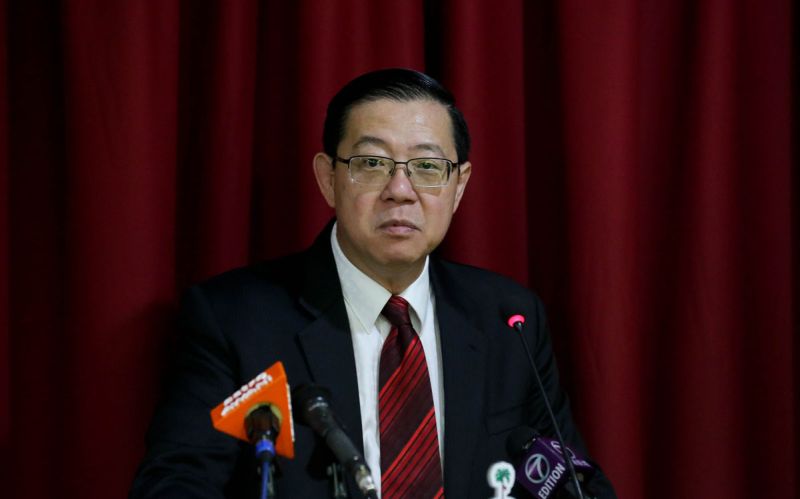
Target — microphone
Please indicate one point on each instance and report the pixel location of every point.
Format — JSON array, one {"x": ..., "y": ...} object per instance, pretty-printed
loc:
[
  {"x": 257, "y": 412},
  {"x": 541, "y": 467},
  {"x": 515, "y": 321},
  {"x": 263, "y": 425},
  {"x": 315, "y": 411},
  {"x": 501, "y": 477}
]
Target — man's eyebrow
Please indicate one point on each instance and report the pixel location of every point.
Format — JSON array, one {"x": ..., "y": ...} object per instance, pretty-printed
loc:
[
  {"x": 369, "y": 140},
  {"x": 429, "y": 147}
]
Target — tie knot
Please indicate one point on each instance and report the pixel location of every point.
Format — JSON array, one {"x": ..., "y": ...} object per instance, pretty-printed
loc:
[{"x": 396, "y": 311}]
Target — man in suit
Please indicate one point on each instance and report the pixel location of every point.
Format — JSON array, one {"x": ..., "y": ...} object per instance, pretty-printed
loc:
[{"x": 394, "y": 167}]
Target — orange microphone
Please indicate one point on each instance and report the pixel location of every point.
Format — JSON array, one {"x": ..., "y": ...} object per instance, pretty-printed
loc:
[{"x": 260, "y": 407}]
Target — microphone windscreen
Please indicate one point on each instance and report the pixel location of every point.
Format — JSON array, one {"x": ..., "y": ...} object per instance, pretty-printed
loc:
[
  {"x": 513, "y": 305},
  {"x": 303, "y": 395},
  {"x": 261, "y": 420}
]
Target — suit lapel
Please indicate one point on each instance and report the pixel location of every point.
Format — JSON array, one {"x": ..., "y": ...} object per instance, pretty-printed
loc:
[
  {"x": 326, "y": 342},
  {"x": 463, "y": 369}
]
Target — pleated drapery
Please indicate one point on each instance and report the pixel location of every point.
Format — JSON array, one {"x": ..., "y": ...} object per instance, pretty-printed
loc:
[{"x": 632, "y": 164}]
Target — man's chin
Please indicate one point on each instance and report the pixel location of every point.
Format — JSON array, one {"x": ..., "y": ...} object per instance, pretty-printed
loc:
[{"x": 403, "y": 260}]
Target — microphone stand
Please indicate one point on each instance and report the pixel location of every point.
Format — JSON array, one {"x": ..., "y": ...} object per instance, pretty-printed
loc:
[
  {"x": 573, "y": 474},
  {"x": 336, "y": 472},
  {"x": 267, "y": 490}
]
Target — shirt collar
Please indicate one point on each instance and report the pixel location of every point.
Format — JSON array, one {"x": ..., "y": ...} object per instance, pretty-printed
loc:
[{"x": 367, "y": 298}]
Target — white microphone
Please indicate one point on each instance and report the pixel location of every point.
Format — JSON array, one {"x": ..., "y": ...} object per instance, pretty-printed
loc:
[{"x": 501, "y": 477}]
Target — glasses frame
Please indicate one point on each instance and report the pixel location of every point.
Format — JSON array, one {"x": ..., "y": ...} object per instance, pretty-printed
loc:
[{"x": 450, "y": 166}]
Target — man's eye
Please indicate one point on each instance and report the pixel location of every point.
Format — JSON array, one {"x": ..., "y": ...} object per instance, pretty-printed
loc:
[
  {"x": 373, "y": 162},
  {"x": 428, "y": 165}
]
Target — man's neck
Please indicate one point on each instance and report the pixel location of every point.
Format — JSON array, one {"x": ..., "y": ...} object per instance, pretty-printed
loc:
[{"x": 396, "y": 281}]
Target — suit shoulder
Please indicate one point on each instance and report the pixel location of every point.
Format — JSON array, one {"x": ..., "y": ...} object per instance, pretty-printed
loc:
[
  {"x": 481, "y": 285},
  {"x": 270, "y": 277}
]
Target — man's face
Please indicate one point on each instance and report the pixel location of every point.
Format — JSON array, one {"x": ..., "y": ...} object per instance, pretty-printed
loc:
[{"x": 387, "y": 231}]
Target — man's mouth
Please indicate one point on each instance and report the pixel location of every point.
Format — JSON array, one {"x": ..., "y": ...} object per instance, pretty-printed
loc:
[{"x": 398, "y": 226}]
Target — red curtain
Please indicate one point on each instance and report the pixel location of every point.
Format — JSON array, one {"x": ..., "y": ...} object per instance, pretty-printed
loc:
[{"x": 632, "y": 163}]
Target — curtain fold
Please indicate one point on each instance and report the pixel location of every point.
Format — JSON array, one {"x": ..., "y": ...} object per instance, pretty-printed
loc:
[
  {"x": 632, "y": 163},
  {"x": 5, "y": 371}
]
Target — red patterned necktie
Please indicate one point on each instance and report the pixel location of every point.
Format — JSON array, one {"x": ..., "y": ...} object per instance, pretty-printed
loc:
[{"x": 410, "y": 465}]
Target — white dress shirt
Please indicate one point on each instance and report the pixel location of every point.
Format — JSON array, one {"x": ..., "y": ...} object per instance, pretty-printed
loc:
[{"x": 364, "y": 299}]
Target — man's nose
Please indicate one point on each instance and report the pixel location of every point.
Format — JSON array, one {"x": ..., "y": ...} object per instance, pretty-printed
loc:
[
  {"x": 404, "y": 166},
  {"x": 399, "y": 186}
]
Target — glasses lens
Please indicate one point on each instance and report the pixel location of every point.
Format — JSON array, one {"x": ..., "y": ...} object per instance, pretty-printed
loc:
[
  {"x": 429, "y": 172},
  {"x": 372, "y": 170},
  {"x": 422, "y": 172}
]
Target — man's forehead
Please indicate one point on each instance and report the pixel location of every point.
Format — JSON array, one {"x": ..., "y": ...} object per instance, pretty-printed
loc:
[{"x": 365, "y": 122}]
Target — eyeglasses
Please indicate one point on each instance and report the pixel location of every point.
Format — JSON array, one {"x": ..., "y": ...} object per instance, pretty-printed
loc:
[{"x": 377, "y": 170}]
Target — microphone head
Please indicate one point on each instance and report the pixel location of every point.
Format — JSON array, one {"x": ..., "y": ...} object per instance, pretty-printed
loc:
[
  {"x": 263, "y": 419},
  {"x": 519, "y": 440},
  {"x": 305, "y": 397},
  {"x": 515, "y": 319},
  {"x": 501, "y": 477},
  {"x": 511, "y": 311}
]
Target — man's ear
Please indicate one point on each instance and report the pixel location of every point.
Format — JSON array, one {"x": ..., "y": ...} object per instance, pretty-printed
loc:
[
  {"x": 463, "y": 177},
  {"x": 324, "y": 172}
]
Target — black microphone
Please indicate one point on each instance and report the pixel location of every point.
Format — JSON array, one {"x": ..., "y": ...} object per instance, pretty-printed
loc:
[
  {"x": 541, "y": 467},
  {"x": 515, "y": 320},
  {"x": 315, "y": 411}
]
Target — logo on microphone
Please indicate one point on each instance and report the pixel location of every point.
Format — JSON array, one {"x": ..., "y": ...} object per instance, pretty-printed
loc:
[
  {"x": 557, "y": 447},
  {"x": 537, "y": 468},
  {"x": 245, "y": 392},
  {"x": 501, "y": 477}
]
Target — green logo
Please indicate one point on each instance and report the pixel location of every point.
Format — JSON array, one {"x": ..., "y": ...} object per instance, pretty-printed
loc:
[{"x": 503, "y": 475}]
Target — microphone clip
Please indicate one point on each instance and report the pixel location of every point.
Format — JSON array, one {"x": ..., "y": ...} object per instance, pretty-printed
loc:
[{"x": 337, "y": 478}]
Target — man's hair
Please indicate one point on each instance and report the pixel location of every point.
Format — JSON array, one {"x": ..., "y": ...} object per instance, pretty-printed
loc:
[{"x": 396, "y": 84}]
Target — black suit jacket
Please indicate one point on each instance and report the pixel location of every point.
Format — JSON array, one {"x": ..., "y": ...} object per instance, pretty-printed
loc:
[{"x": 292, "y": 310}]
